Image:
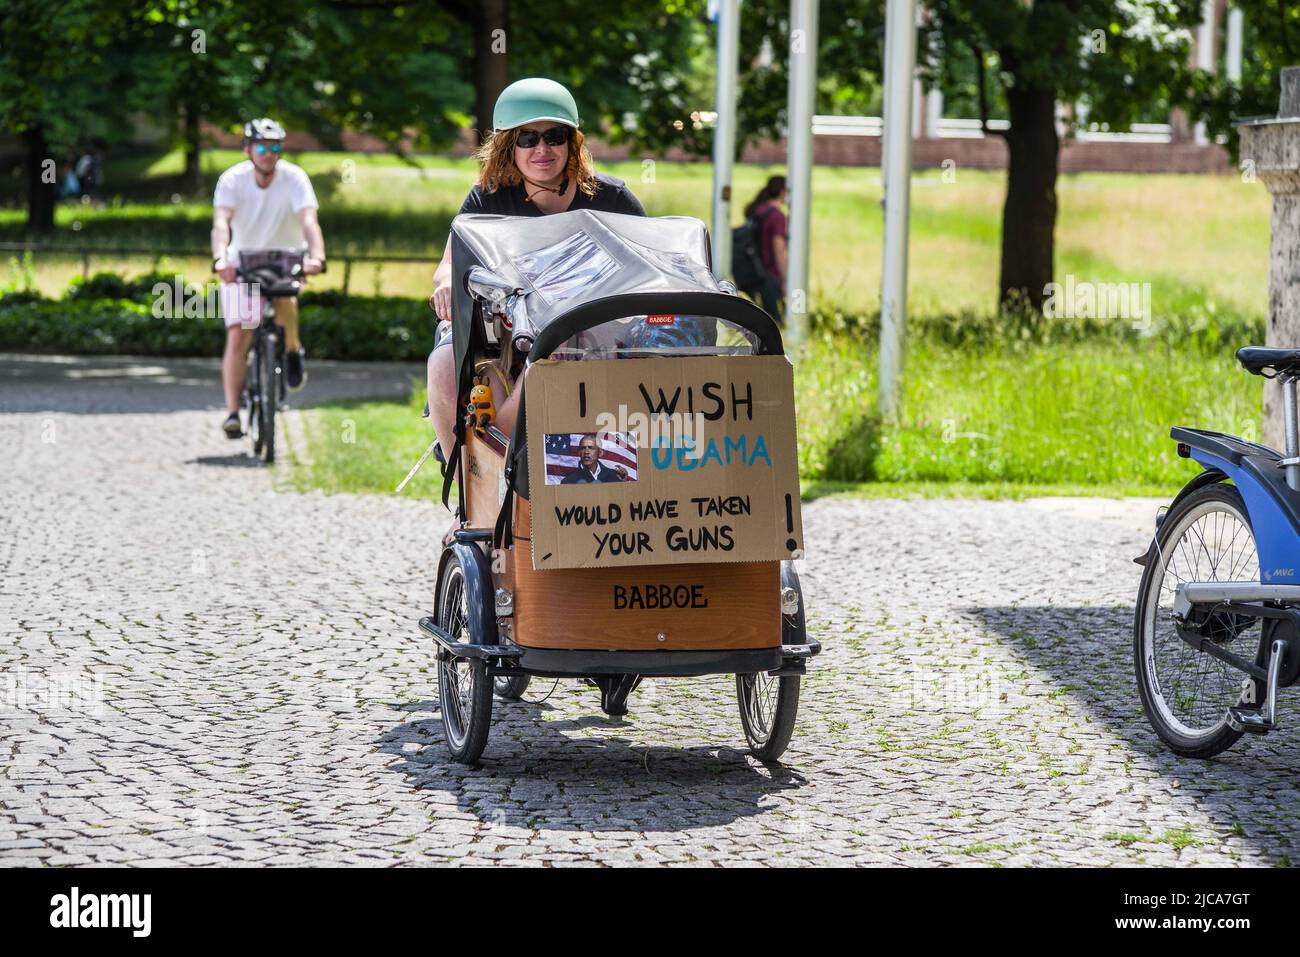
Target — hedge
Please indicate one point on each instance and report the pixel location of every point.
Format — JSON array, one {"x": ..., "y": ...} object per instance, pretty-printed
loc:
[
  {"x": 334, "y": 327},
  {"x": 111, "y": 314}
]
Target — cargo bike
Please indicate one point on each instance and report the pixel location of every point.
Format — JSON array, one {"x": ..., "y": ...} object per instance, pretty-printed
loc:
[{"x": 605, "y": 294}]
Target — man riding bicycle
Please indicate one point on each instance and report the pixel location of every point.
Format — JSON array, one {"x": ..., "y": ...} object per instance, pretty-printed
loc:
[{"x": 272, "y": 207}]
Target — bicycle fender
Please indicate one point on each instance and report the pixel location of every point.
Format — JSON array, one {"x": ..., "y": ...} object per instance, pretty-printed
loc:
[
  {"x": 480, "y": 599},
  {"x": 1211, "y": 476}
]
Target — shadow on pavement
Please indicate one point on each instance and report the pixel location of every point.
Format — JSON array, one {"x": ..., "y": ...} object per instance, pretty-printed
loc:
[
  {"x": 243, "y": 460},
  {"x": 1089, "y": 653},
  {"x": 92, "y": 385},
  {"x": 533, "y": 774}
]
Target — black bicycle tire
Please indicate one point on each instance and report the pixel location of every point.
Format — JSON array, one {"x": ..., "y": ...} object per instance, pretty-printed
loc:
[{"x": 1222, "y": 738}]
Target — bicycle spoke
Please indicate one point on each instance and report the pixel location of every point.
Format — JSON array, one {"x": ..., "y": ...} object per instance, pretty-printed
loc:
[{"x": 1195, "y": 688}]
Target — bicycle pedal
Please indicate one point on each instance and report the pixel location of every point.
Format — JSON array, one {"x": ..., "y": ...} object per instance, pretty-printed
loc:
[{"x": 1249, "y": 720}]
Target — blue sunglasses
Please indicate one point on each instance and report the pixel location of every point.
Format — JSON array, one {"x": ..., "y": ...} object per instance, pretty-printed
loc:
[{"x": 262, "y": 148}]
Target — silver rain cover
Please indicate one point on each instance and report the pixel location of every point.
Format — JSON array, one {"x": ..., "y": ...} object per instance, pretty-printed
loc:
[{"x": 563, "y": 259}]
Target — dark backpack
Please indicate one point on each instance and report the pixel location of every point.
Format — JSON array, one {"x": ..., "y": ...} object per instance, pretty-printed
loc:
[{"x": 746, "y": 264}]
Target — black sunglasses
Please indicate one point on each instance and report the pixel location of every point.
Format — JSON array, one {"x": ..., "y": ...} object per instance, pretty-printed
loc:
[{"x": 555, "y": 136}]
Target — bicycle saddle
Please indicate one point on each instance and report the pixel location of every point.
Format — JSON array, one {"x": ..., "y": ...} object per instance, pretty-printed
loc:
[{"x": 1255, "y": 359}]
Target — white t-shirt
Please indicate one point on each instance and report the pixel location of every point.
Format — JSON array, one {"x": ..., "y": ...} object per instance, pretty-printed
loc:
[{"x": 265, "y": 218}]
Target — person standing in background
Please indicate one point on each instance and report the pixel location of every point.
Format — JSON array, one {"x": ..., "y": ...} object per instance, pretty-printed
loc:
[{"x": 772, "y": 230}]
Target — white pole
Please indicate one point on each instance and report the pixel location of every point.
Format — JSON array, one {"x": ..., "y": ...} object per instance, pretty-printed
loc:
[
  {"x": 724, "y": 133},
  {"x": 888, "y": 68},
  {"x": 933, "y": 112},
  {"x": 918, "y": 109},
  {"x": 1205, "y": 56},
  {"x": 1205, "y": 37},
  {"x": 933, "y": 97},
  {"x": 900, "y": 31},
  {"x": 1236, "y": 22},
  {"x": 799, "y": 161}
]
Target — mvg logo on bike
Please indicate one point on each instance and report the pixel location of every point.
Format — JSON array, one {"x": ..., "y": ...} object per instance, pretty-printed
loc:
[
  {"x": 180, "y": 299},
  {"x": 1099, "y": 300}
]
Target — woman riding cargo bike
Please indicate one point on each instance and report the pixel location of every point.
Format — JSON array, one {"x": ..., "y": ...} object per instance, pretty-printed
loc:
[{"x": 670, "y": 532}]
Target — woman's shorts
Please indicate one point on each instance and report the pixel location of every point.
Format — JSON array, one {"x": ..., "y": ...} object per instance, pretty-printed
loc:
[{"x": 442, "y": 335}]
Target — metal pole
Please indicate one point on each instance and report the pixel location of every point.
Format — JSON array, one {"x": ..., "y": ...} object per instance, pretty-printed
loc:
[
  {"x": 933, "y": 112},
  {"x": 724, "y": 132},
  {"x": 900, "y": 30},
  {"x": 1205, "y": 56},
  {"x": 1236, "y": 20},
  {"x": 799, "y": 162}
]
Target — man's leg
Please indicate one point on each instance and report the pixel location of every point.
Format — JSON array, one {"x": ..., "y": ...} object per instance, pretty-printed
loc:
[
  {"x": 237, "y": 310},
  {"x": 771, "y": 295},
  {"x": 286, "y": 316},
  {"x": 295, "y": 365},
  {"x": 234, "y": 365}
]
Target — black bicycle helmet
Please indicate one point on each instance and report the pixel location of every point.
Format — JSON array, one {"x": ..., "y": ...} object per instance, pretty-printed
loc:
[{"x": 263, "y": 128}]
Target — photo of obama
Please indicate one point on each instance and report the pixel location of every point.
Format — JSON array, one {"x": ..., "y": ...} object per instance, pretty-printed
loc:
[{"x": 590, "y": 468}]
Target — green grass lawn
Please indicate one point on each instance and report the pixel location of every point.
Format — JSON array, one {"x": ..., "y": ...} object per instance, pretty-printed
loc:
[
  {"x": 1201, "y": 241},
  {"x": 1083, "y": 418}
]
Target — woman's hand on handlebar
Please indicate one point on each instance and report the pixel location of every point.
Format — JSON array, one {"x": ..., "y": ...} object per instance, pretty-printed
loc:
[
  {"x": 441, "y": 301},
  {"x": 226, "y": 271},
  {"x": 312, "y": 266}
]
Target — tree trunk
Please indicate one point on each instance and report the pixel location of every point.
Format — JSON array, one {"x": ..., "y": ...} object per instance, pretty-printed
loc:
[
  {"x": 41, "y": 185},
  {"x": 491, "y": 61},
  {"x": 1029, "y": 215},
  {"x": 193, "y": 149}
]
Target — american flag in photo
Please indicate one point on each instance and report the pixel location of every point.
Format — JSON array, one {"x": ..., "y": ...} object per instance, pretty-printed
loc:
[{"x": 616, "y": 448}]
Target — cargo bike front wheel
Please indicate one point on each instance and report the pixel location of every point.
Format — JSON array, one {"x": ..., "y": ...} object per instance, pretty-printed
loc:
[
  {"x": 464, "y": 686},
  {"x": 769, "y": 703},
  {"x": 768, "y": 708}
]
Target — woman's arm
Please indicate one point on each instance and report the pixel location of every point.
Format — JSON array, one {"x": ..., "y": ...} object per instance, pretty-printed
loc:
[{"x": 441, "y": 298}]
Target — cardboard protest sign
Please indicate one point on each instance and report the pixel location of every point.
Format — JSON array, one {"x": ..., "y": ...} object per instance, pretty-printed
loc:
[{"x": 662, "y": 461}]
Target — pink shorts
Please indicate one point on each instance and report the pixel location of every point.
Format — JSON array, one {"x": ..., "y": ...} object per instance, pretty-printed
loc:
[{"x": 240, "y": 305}]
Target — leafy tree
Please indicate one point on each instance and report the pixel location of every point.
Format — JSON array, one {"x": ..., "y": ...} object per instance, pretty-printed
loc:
[
  {"x": 67, "y": 79},
  {"x": 1115, "y": 56},
  {"x": 385, "y": 69},
  {"x": 850, "y": 51},
  {"x": 635, "y": 69},
  {"x": 1270, "y": 41}
]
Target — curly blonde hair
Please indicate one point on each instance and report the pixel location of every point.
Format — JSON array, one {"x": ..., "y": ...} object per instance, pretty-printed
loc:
[{"x": 496, "y": 158}]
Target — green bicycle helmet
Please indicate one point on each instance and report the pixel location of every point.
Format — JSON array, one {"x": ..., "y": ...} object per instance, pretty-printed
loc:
[{"x": 532, "y": 99}]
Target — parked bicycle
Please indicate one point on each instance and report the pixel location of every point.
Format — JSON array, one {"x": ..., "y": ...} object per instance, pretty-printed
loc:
[{"x": 1217, "y": 624}]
